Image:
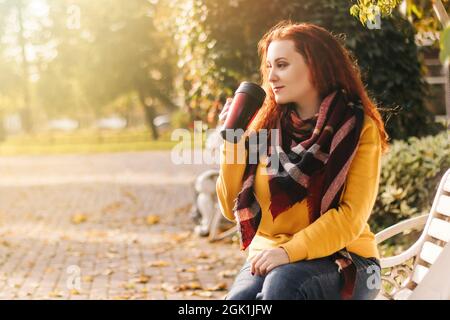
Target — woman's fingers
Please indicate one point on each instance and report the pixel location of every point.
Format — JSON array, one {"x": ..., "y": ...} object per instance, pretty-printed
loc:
[
  {"x": 270, "y": 268},
  {"x": 224, "y": 113},
  {"x": 259, "y": 270},
  {"x": 264, "y": 268},
  {"x": 253, "y": 262}
]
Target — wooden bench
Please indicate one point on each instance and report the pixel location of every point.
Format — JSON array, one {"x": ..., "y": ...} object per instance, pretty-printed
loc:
[{"x": 423, "y": 270}]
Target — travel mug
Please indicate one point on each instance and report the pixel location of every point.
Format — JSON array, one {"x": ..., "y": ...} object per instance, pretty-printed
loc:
[{"x": 247, "y": 100}]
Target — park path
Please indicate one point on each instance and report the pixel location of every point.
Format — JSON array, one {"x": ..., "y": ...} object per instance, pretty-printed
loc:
[{"x": 106, "y": 226}]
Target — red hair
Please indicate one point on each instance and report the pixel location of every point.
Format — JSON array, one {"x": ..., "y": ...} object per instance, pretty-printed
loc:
[{"x": 331, "y": 66}]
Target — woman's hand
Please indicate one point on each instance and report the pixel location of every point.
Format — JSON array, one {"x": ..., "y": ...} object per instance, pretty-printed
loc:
[
  {"x": 267, "y": 260},
  {"x": 224, "y": 113}
]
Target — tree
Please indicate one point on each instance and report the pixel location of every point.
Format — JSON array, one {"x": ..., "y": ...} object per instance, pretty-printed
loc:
[
  {"x": 220, "y": 51},
  {"x": 13, "y": 78},
  {"x": 117, "y": 48},
  {"x": 427, "y": 16}
]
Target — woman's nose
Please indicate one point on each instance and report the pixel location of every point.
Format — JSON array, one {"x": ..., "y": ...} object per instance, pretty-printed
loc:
[{"x": 272, "y": 75}]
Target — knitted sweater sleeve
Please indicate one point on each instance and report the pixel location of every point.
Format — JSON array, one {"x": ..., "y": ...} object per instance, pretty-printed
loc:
[{"x": 229, "y": 183}]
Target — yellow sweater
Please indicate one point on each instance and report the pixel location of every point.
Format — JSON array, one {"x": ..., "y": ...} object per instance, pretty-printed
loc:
[{"x": 337, "y": 228}]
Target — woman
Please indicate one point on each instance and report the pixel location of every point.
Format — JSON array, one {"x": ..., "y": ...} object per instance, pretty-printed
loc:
[{"x": 305, "y": 224}]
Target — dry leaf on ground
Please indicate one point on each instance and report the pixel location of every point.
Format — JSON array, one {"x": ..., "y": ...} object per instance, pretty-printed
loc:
[
  {"x": 79, "y": 218},
  {"x": 143, "y": 278},
  {"x": 153, "y": 219},
  {"x": 221, "y": 286},
  {"x": 227, "y": 273},
  {"x": 204, "y": 294},
  {"x": 158, "y": 264}
]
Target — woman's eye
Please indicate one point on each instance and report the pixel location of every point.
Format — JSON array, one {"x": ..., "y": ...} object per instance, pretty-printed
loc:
[{"x": 281, "y": 65}]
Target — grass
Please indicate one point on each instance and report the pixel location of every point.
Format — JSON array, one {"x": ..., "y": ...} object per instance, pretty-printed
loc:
[{"x": 84, "y": 141}]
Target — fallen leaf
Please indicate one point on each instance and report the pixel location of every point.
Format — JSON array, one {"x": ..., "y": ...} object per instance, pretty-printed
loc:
[
  {"x": 107, "y": 272},
  {"x": 152, "y": 219},
  {"x": 190, "y": 286},
  {"x": 129, "y": 285},
  {"x": 169, "y": 287},
  {"x": 113, "y": 250},
  {"x": 55, "y": 294},
  {"x": 158, "y": 264},
  {"x": 187, "y": 261},
  {"x": 227, "y": 273},
  {"x": 79, "y": 218},
  {"x": 180, "y": 237},
  {"x": 88, "y": 278},
  {"x": 204, "y": 267},
  {"x": 143, "y": 279},
  {"x": 221, "y": 286},
  {"x": 204, "y": 294},
  {"x": 192, "y": 270},
  {"x": 5, "y": 243},
  {"x": 202, "y": 255},
  {"x": 74, "y": 292}
]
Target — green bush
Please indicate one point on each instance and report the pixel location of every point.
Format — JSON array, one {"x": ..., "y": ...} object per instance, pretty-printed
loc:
[{"x": 410, "y": 175}]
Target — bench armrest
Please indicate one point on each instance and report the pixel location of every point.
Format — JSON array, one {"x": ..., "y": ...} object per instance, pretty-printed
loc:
[{"x": 412, "y": 223}]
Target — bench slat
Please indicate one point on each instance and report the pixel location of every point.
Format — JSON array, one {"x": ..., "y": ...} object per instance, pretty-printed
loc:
[
  {"x": 430, "y": 252},
  {"x": 403, "y": 294},
  {"x": 439, "y": 229},
  {"x": 447, "y": 184},
  {"x": 419, "y": 273},
  {"x": 443, "y": 206}
]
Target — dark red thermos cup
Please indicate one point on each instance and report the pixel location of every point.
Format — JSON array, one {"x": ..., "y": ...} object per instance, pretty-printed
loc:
[{"x": 247, "y": 100}]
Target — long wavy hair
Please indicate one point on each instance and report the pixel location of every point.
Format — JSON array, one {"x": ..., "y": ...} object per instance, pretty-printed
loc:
[{"x": 331, "y": 66}]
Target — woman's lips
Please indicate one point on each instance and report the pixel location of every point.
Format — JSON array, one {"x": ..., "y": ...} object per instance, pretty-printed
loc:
[{"x": 277, "y": 89}]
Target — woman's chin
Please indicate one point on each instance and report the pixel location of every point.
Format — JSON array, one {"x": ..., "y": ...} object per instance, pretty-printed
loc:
[{"x": 280, "y": 100}]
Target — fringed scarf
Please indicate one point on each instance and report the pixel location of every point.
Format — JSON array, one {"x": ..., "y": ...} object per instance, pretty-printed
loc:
[{"x": 313, "y": 157}]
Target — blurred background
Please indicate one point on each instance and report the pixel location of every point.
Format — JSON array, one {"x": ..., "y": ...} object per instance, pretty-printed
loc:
[
  {"x": 79, "y": 75},
  {"x": 92, "y": 77}
]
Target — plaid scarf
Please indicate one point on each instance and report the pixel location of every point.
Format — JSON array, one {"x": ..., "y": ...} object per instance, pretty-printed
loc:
[{"x": 313, "y": 157}]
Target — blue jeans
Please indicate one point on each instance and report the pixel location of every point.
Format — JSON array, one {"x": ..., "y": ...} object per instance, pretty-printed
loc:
[{"x": 316, "y": 279}]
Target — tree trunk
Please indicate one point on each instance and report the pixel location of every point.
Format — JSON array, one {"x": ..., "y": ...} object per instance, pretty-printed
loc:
[
  {"x": 149, "y": 115},
  {"x": 26, "y": 111}
]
